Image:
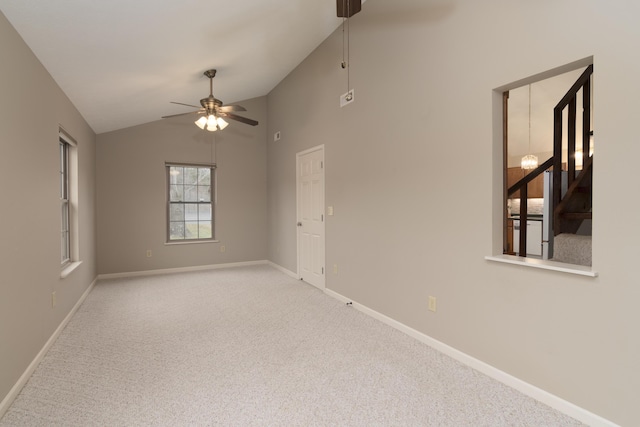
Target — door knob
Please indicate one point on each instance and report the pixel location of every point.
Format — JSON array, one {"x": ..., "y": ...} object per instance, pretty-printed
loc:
[{"x": 299, "y": 224}]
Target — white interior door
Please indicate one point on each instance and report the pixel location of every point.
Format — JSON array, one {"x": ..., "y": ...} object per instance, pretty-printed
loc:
[{"x": 310, "y": 201}]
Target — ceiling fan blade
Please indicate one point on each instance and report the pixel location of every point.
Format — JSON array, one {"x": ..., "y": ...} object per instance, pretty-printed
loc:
[
  {"x": 182, "y": 114},
  {"x": 227, "y": 108},
  {"x": 239, "y": 118},
  {"x": 186, "y": 105}
]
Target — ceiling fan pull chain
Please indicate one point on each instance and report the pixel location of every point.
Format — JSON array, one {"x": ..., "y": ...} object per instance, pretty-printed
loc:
[
  {"x": 346, "y": 7},
  {"x": 348, "y": 47},
  {"x": 343, "y": 64}
]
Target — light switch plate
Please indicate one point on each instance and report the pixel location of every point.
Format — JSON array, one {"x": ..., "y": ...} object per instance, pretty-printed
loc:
[{"x": 347, "y": 98}]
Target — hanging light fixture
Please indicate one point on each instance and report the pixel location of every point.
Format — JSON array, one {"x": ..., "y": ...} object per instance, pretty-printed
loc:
[{"x": 529, "y": 161}]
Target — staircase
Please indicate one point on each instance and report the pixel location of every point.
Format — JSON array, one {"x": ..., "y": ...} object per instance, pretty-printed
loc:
[{"x": 572, "y": 240}]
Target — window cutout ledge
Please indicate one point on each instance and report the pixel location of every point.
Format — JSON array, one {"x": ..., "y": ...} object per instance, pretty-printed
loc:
[
  {"x": 189, "y": 242},
  {"x": 68, "y": 269},
  {"x": 544, "y": 264}
]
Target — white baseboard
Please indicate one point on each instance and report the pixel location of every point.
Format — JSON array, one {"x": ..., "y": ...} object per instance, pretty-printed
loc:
[
  {"x": 15, "y": 390},
  {"x": 284, "y": 270},
  {"x": 530, "y": 390},
  {"x": 179, "y": 269}
]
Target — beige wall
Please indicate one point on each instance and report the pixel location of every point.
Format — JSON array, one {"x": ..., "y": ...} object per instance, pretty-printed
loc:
[
  {"x": 405, "y": 162},
  {"x": 413, "y": 170},
  {"x": 32, "y": 107},
  {"x": 132, "y": 192}
]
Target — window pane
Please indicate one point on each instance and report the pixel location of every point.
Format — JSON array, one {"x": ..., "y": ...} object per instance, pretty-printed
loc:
[
  {"x": 190, "y": 193},
  {"x": 191, "y": 212},
  {"x": 191, "y": 230},
  {"x": 65, "y": 217},
  {"x": 204, "y": 212},
  {"x": 204, "y": 176},
  {"x": 191, "y": 176},
  {"x": 64, "y": 250},
  {"x": 176, "y": 230},
  {"x": 176, "y": 212},
  {"x": 204, "y": 193},
  {"x": 205, "y": 229},
  {"x": 176, "y": 175},
  {"x": 64, "y": 171},
  {"x": 176, "y": 193}
]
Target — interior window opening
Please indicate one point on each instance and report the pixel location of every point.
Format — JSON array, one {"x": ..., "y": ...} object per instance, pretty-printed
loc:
[{"x": 548, "y": 168}]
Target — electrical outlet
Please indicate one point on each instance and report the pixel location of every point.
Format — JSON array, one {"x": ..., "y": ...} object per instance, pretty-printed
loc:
[
  {"x": 54, "y": 300},
  {"x": 347, "y": 98},
  {"x": 148, "y": 253},
  {"x": 335, "y": 268},
  {"x": 432, "y": 303},
  {"x": 222, "y": 248}
]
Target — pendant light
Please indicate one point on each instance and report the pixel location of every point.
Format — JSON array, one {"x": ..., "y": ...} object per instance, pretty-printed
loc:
[{"x": 529, "y": 161}]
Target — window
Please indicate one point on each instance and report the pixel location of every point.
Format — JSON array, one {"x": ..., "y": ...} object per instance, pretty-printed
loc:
[
  {"x": 65, "y": 234},
  {"x": 190, "y": 202}
]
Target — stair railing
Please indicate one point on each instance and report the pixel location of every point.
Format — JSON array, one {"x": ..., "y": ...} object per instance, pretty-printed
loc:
[
  {"x": 569, "y": 102},
  {"x": 522, "y": 185}
]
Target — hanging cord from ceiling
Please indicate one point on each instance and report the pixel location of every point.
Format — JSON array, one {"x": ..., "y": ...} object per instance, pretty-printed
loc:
[{"x": 346, "y": 51}]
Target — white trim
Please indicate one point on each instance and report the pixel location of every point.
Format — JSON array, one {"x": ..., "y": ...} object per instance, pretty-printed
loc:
[
  {"x": 530, "y": 390},
  {"x": 284, "y": 270},
  {"x": 544, "y": 264},
  {"x": 17, "y": 387},
  {"x": 190, "y": 242},
  {"x": 179, "y": 269},
  {"x": 69, "y": 268}
]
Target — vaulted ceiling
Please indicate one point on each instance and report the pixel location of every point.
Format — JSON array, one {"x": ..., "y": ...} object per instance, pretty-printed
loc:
[{"x": 121, "y": 61}]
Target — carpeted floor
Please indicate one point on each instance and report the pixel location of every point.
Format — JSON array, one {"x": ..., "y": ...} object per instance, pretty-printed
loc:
[{"x": 251, "y": 346}]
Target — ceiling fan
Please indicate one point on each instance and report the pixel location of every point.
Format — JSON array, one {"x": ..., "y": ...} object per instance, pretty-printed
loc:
[{"x": 213, "y": 111}]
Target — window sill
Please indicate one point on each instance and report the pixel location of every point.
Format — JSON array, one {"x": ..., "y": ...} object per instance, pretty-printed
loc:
[
  {"x": 544, "y": 264},
  {"x": 69, "y": 268},
  {"x": 190, "y": 242}
]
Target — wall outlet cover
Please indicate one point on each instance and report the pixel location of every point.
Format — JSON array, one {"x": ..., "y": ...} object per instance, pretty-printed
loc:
[{"x": 432, "y": 304}]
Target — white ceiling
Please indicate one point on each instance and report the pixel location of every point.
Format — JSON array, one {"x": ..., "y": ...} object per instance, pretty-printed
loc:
[{"x": 122, "y": 61}]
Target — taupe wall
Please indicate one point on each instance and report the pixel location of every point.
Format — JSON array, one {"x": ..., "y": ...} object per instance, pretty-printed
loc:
[
  {"x": 32, "y": 107},
  {"x": 413, "y": 170},
  {"x": 132, "y": 192}
]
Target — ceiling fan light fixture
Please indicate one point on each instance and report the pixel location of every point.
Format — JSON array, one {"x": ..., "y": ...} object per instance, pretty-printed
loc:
[
  {"x": 212, "y": 126},
  {"x": 201, "y": 122},
  {"x": 221, "y": 123}
]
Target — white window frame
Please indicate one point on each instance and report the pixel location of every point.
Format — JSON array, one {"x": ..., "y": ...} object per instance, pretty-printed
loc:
[
  {"x": 65, "y": 208},
  {"x": 211, "y": 203},
  {"x": 69, "y": 235}
]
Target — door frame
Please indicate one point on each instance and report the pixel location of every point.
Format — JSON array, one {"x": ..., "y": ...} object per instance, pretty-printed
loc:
[{"x": 324, "y": 234}]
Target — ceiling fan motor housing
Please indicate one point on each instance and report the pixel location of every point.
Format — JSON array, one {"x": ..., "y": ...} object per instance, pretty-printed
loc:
[
  {"x": 210, "y": 104},
  {"x": 348, "y": 8}
]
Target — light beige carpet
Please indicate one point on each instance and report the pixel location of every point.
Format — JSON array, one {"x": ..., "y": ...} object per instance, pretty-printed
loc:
[{"x": 251, "y": 346}]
